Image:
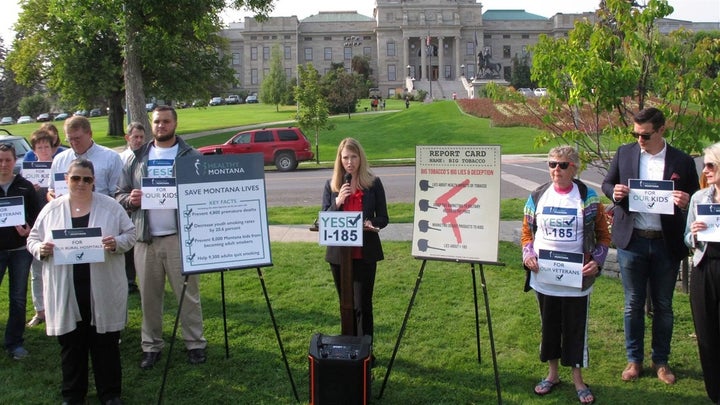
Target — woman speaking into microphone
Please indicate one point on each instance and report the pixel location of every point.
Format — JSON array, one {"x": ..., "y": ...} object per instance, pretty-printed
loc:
[{"x": 354, "y": 188}]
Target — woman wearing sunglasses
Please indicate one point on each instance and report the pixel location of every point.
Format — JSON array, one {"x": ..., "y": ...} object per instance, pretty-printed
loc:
[
  {"x": 705, "y": 277},
  {"x": 85, "y": 303},
  {"x": 564, "y": 218}
]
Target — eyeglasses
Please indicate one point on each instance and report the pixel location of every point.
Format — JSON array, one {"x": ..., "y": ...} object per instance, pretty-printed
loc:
[
  {"x": 86, "y": 179},
  {"x": 710, "y": 166},
  {"x": 643, "y": 136},
  {"x": 563, "y": 165}
]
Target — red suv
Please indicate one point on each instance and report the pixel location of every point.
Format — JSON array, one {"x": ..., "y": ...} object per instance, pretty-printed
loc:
[{"x": 283, "y": 147}]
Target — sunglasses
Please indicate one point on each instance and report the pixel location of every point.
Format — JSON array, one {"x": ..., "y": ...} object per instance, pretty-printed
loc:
[
  {"x": 563, "y": 165},
  {"x": 643, "y": 136},
  {"x": 86, "y": 179},
  {"x": 710, "y": 166}
]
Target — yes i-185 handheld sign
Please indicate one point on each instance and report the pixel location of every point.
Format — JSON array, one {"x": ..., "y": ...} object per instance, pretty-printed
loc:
[{"x": 341, "y": 228}]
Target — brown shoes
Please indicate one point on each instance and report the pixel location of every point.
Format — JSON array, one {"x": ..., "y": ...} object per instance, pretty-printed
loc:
[
  {"x": 664, "y": 373},
  {"x": 632, "y": 372}
]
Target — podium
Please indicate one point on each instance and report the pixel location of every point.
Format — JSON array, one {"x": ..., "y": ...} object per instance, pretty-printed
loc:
[{"x": 340, "y": 369}]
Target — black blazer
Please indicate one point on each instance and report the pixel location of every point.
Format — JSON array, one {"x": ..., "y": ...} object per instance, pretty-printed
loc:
[
  {"x": 679, "y": 167},
  {"x": 374, "y": 209}
]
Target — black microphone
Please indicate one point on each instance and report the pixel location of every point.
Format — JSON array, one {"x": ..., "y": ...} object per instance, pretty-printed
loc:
[{"x": 347, "y": 178}]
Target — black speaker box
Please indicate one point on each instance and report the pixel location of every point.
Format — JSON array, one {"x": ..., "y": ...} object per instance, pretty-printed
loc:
[{"x": 340, "y": 369}]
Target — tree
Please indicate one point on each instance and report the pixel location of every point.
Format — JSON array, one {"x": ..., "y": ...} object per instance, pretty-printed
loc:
[
  {"x": 602, "y": 72},
  {"x": 274, "y": 87},
  {"x": 33, "y": 105},
  {"x": 10, "y": 92},
  {"x": 520, "y": 76},
  {"x": 133, "y": 46},
  {"x": 341, "y": 89},
  {"x": 312, "y": 106}
]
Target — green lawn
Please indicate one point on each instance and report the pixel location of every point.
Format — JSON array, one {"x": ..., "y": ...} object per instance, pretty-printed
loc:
[
  {"x": 436, "y": 362},
  {"x": 383, "y": 135}
]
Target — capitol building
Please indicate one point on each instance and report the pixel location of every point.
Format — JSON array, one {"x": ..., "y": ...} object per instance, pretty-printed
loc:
[{"x": 411, "y": 44}]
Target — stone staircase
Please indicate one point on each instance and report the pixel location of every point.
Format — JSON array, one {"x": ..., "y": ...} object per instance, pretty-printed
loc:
[{"x": 443, "y": 89}]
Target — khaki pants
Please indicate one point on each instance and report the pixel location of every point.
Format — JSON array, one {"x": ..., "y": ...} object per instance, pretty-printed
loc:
[{"x": 153, "y": 261}]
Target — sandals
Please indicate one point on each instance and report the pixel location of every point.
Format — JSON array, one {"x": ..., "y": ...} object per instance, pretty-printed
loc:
[
  {"x": 545, "y": 387},
  {"x": 585, "y": 396},
  {"x": 35, "y": 321}
]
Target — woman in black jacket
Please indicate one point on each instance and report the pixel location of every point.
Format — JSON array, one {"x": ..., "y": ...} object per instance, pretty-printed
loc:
[{"x": 354, "y": 188}]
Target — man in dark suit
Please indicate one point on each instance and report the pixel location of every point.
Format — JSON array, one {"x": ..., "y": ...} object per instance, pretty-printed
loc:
[{"x": 649, "y": 246}]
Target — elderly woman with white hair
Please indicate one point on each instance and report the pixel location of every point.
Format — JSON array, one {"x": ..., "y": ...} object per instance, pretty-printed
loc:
[
  {"x": 564, "y": 216},
  {"x": 705, "y": 276}
]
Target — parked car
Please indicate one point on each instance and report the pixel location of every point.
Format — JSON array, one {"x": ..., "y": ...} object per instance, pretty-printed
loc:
[
  {"x": 61, "y": 117},
  {"x": 233, "y": 99},
  {"x": 95, "y": 112},
  {"x": 44, "y": 117},
  {"x": 252, "y": 99},
  {"x": 21, "y": 147},
  {"x": 540, "y": 92},
  {"x": 216, "y": 101},
  {"x": 283, "y": 147},
  {"x": 25, "y": 119},
  {"x": 150, "y": 106},
  {"x": 7, "y": 121},
  {"x": 526, "y": 92},
  {"x": 83, "y": 113}
]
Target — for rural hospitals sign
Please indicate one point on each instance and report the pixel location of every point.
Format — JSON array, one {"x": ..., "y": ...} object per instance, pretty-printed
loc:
[{"x": 222, "y": 212}]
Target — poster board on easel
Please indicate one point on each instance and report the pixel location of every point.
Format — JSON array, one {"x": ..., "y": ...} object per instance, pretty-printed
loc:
[
  {"x": 457, "y": 202},
  {"x": 222, "y": 211}
]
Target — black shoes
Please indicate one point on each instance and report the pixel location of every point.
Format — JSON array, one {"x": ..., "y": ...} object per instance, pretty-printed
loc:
[
  {"x": 114, "y": 401},
  {"x": 149, "y": 359},
  {"x": 132, "y": 288},
  {"x": 196, "y": 356}
]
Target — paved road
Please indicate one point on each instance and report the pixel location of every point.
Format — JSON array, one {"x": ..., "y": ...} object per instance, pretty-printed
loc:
[{"x": 520, "y": 175}]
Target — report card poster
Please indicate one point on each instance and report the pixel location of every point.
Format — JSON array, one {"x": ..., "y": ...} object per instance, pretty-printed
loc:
[
  {"x": 222, "y": 211},
  {"x": 457, "y": 202}
]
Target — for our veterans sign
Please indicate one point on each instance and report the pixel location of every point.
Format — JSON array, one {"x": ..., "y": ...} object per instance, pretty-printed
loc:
[
  {"x": 710, "y": 215},
  {"x": 651, "y": 196},
  {"x": 222, "y": 212},
  {"x": 12, "y": 211},
  {"x": 560, "y": 268}
]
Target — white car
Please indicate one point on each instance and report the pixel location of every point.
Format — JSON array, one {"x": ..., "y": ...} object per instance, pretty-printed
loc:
[
  {"x": 25, "y": 119},
  {"x": 525, "y": 92},
  {"x": 540, "y": 92}
]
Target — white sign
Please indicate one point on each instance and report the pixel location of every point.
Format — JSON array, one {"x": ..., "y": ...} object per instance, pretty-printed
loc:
[
  {"x": 61, "y": 186},
  {"x": 222, "y": 212},
  {"x": 560, "y": 268},
  {"x": 457, "y": 202},
  {"x": 159, "y": 193},
  {"x": 651, "y": 196},
  {"x": 12, "y": 211},
  {"x": 340, "y": 228},
  {"x": 37, "y": 173},
  {"x": 710, "y": 215},
  {"x": 78, "y": 245}
]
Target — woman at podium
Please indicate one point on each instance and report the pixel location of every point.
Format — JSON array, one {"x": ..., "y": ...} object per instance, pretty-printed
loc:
[{"x": 354, "y": 188}]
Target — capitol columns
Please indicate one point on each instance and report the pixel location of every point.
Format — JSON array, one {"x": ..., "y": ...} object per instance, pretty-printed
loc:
[
  {"x": 441, "y": 54},
  {"x": 458, "y": 61},
  {"x": 406, "y": 52}
]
